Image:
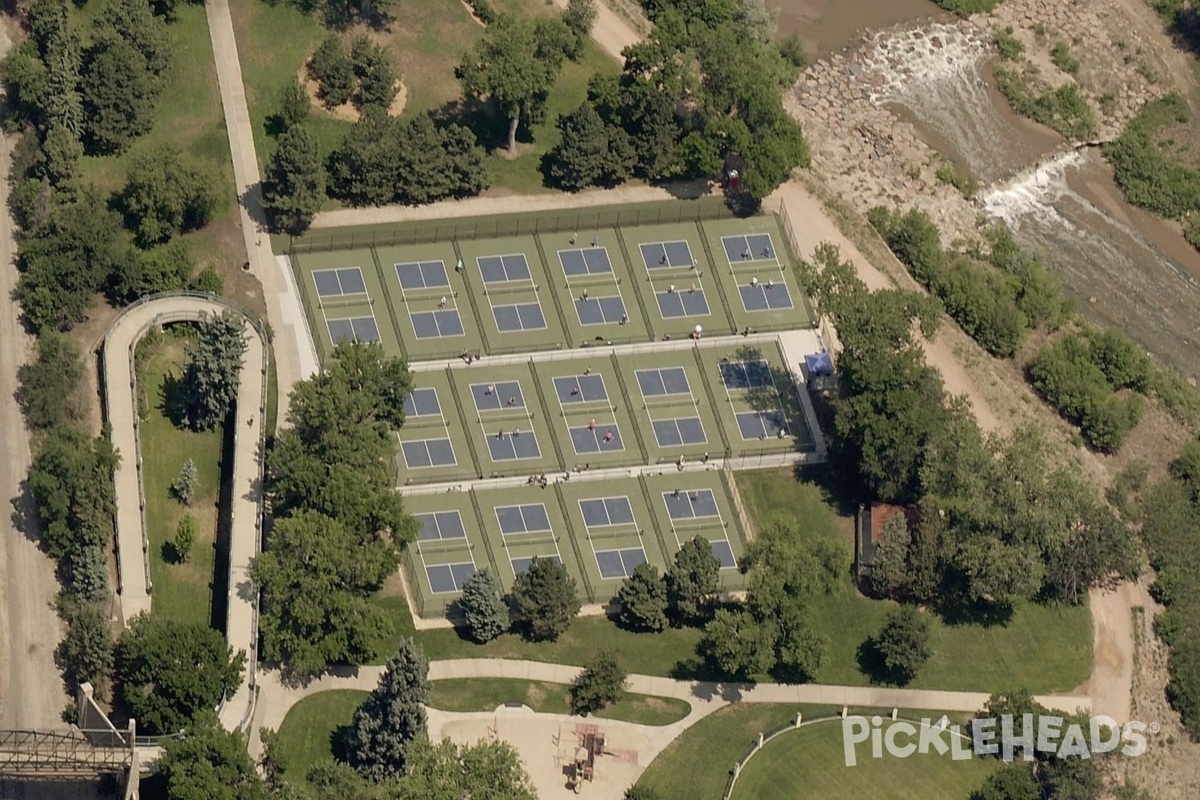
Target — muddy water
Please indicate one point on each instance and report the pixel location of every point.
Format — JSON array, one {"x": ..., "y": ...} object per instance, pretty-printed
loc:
[{"x": 826, "y": 25}]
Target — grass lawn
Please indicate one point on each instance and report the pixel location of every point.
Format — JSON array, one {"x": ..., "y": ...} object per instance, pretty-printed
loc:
[
  {"x": 305, "y": 737},
  {"x": 810, "y": 763},
  {"x": 774, "y": 496},
  {"x": 470, "y": 694},
  {"x": 182, "y": 592},
  {"x": 427, "y": 40}
]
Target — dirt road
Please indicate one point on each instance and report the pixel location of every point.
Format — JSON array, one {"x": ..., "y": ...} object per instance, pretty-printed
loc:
[{"x": 31, "y": 691}]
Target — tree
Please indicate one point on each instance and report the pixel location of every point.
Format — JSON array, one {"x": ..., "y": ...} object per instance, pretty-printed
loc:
[
  {"x": 119, "y": 93},
  {"x": 86, "y": 569},
  {"x": 184, "y": 486},
  {"x": 61, "y": 152},
  {"x": 485, "y": 612},
  {"x": 376, "y": 75},
  {"x": 71, "y": 478},
  {"x": 332, "y": 68},
  {"x": 889, "y": 569},
  {"x": 692, "y": 580},
  {"x": 66, "y": 260},
  {"x": 166, "y": 194},
  {"x": 294, "y": 105},
  {"x": 391, "y": 717},
  {"x": 49, "y": 393},
  {"x": 590, "y": 152},
  {"x": 446, "y": 771},
  {"x": 600, "y": 684},
  {"x": 86, "y": 652},
  {"x": 544, "y": 599},
  {"x": 25, "y": 76},
  {"x": 210, "y": 381},
  {"x": 161, "y": 694},
  {"x": 315, "y": 577},
  {"x": 185, "y": 537},
  {"x": 294, "y": 187},
  {"x": 166, "y": 268},
  {"x": 756, "y": 19},
  {"x": 209, "y": 762},
  {"x": 643, "y": 599},
  {"x": 639, "y": 792},
  {"x": 513, "y": 68},
  {"x": 62, "y": 99},
  {"x": 134, "y": 22},
  {"x": 903, "y": 643},
  {"x": 579, "y": 16},
  {"x": 1010, "y": 782},
  {"x": 737, "y": 644}
]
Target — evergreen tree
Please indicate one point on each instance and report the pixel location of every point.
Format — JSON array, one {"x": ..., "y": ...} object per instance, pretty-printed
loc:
[
  {"x": 643, "y": 599},
  {"x": 392, "y": 716},
  {"x": 210, "y": 381},
  {"x": 294, "y": 105},
  {"x": 544, "y": 599},
  {"x": 86, "y": 652},
  {"x": 294, "y": 187},
  {"x": 332, "y": 68},
  {"x": 376, "y": 75},
  {"x": 87, "y": 570},
  {"x": 185, "y": 537},
  {"x": 590, "y": 153},
  {"x": 483, "y": 607},
  {"x": 119, "y": 93}
]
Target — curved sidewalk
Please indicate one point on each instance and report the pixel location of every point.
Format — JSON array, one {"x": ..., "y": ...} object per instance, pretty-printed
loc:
[{"x": 119, "y": 387}]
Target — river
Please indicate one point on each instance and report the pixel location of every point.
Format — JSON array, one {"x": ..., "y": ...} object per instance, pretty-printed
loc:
[{"x": 1123, "y": 267}]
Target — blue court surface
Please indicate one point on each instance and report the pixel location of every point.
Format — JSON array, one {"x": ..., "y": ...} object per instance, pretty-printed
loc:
[
  {"x": 519, "y": 317},
  {"x": 585, "y": 261},
  {"x": 445, "y": 578},
  {"x": 422, "y": 403},
  {"x": 599, "y": 512},
  {"x": 520, "y": 565},
  {"x": 440, "y": 525},
  {"x": 502, "y": 269},
  {"x": 752, "y": 247},
  {"x": 723, "y": 553},
  {"x": 690, "y": 303},
  {"x": 353, "y": 329},
  {"x": 619, "y": 563},
  {"x": 667, "y": 255},
  {"x": 513, "y": 445},
  {"x": 580, "y": 388},
  {"x": 497, "y": 396},
  {"x": 338, "y": 282},
  {"x": 422, "y": 275},
  {"x": 691, "y": 504},
  {"x": 601, "y": 310},
  {"x": 605, "y": 438},
  {"x": 746, "y": 374},
  {"x": 764, "y": 297},
  {"x": 762, "y": 424},
  {"x": 428, "y": 453},
  {"x": 529, "y": 518},
  {"x": 436, "y": 324},
  {"x": 663, "y": 382},
  {"x": 679, "y": 431}
]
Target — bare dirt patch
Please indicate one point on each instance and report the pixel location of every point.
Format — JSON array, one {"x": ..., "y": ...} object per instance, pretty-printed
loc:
[{"x": 348, "y": 111}]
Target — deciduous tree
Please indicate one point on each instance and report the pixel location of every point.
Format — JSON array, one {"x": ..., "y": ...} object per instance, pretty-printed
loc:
[
  {"x": 737, "y": 644},
  {"x": 579, "y": 16},
  {"x": 86, "y": 652},
  {"x": 209, "y": 762},
  {"x": 165, "y": 268},
  {"x": 49, "y": 392},
  {"x": 166, "y": 194},
  {"x": 391, "y": 717},
  {"x": 315, "y": 577},
  {"x": 71, "y": 479},
  {"x": 643, "y": 599},
  {"x": 483, "y": 607},
  {"x": 119, "y": 93},
  {"x": 162, "y": 694},
  {"x": 903, "y": 643},
  {"x": 544, "y": 599},
  {"x": 600, "y": 684},
  {"x": 446, "y": 771}
]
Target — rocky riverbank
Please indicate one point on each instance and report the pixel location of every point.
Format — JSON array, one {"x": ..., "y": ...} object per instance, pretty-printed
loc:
[{"x": 866, "y": 151}]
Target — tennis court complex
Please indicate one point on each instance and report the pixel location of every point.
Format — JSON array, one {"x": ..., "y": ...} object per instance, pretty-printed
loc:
[
  {"x": 600, "y": 531},
  {"x": 596, "y": 410},
  {"x": 556, "y": 289}
]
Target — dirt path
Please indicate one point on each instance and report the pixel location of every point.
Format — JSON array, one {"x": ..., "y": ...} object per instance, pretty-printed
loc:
[
  {"x": 610, "y": 31},
  {"x": 1111, "y": 681},
  {"x": 31, "y": 690}
]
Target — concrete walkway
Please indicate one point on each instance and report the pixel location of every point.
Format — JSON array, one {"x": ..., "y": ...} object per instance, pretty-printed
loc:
[
  {"x": 120, "y": 403},
  {"x": 295, "y": 356}
]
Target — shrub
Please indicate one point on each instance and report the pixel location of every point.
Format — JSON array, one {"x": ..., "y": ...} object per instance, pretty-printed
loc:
[
  {"x": 601, "y": 684},
  {"x": 1063, "y": 109},
  {"x": 1150, "y": 175},
  {"x": 1009, "y": 46},
  {"x": 965, "y": 8},
  {"x": 1060, "y": 54}
]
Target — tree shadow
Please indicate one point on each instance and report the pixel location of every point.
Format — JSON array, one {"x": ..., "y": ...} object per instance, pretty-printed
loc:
[
  {"x": 871, "y": 663},
  {"x": 339, "y": 742},
  {"x": 170, "y": 553},
  {"x": 1185, "y": 28},
  {"x": 274, "y": 125},
  {"x": 692, "y": 189},
  {"x": 172, "y": 400},
  {"x": 956, "y": 607},
  {"x": 24, "y": 516},
  {"x": 483, "y": 119}
]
